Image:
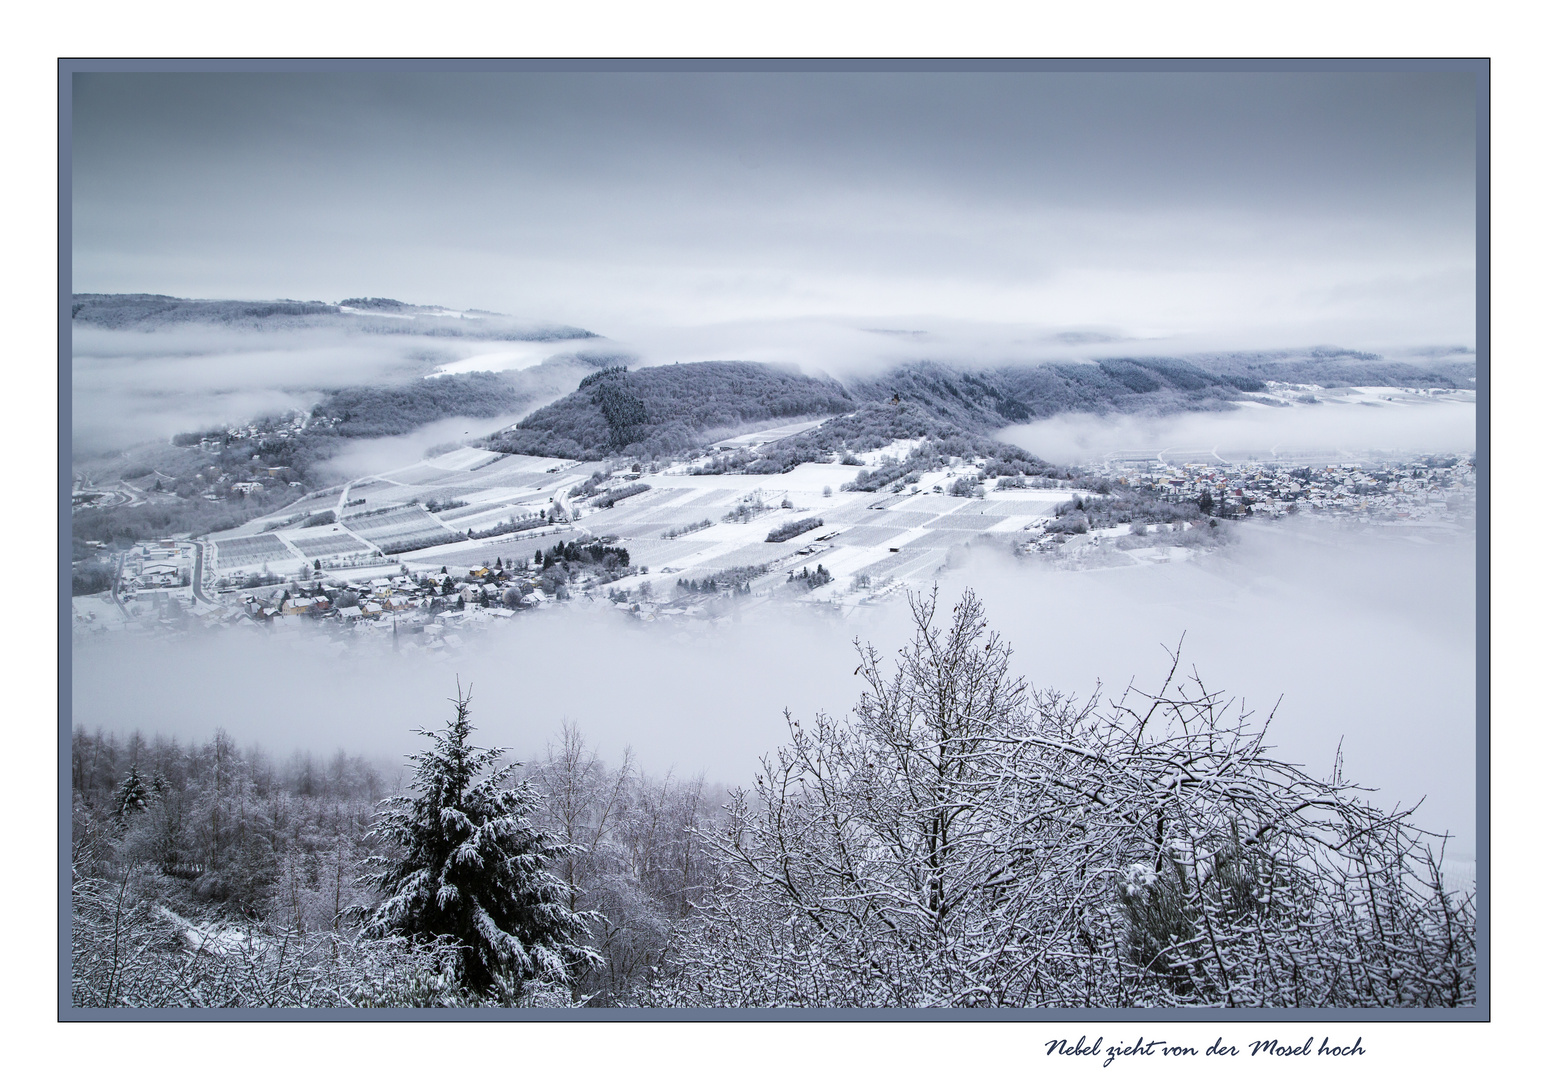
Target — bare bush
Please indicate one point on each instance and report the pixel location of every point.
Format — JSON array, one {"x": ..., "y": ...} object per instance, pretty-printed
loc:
[{"x": 129, "y": 950}]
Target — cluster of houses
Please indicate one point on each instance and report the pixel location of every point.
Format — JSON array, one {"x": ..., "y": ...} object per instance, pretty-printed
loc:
[
  {"x": 1440, "y": 490},
  {"x": 498, "y": 590},
  {"x": 159, "y": 564}
]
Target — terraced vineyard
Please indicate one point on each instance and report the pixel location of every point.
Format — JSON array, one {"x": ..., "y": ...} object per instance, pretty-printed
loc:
[{"x": 250, "y": 551}]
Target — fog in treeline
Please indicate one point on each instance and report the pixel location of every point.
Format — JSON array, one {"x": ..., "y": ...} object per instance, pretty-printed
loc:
[
  {"x": 1326, "y": 426},
  {"x": 137, "y": 384},
  {"x": 237, "y": 858},
  {"x": 862, "y": 866},
  {"x": 1369, "y": 638}
]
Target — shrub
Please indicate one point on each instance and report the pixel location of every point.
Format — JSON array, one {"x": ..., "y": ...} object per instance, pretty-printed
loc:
[{"x": 784, "y": 532}]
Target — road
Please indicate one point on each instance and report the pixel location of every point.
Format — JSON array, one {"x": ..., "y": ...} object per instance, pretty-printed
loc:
[
  {"x": 198, "y": 573},
  {"x": 118, "y": 578}
]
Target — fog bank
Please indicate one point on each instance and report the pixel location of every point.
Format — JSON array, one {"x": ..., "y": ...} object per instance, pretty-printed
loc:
[
  {"x": 1419, "y": 427},
  {"x": 366, "y": 457},
  {"x": 132, "y": 386},
  {"x": 1369, "y": 637}
]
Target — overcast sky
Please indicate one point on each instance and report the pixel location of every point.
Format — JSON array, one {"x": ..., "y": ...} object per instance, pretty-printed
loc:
[{"x": 1243, "y": 209}]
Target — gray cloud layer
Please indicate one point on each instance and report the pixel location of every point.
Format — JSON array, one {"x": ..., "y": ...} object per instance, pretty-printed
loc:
[{"x": 1258, "y": 209}]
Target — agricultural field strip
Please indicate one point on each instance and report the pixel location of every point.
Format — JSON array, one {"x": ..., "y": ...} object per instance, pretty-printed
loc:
[
  {"x": 633, "y": 508},
  {"x": 867, "y": 536},
  {"x": 461, "y": 512},
  {"x": 709, "y": 498},
  {"x": 394, "y": 519},
  {"x": 666, "y": 552},
  {"x": 935, "y": 541},
  {"x": 746, "y": 555},
  {"x": 473, "y": 552},
  {"x": 486, "y": 516},
  {"x": 459, "y": 460},
  {"x": 902, "y": 519},
  {"x": 961, "y": 529},
  {"x": 320, "y": 546},
  {"x": 845, "y": 516},
  {"x": 425, "y": 476},
  {"x": 903, "y": 564},
  {"x": 250, "y": 550},
  {"x": 647, "y": 530},
  {"x": 399, "y": 526}
]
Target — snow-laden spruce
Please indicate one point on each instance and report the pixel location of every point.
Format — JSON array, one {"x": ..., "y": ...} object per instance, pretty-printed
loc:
[{"x": 470, "y": 868}]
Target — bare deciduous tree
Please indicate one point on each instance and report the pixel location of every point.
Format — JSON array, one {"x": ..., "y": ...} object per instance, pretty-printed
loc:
[{"x": 960, "y": 840}]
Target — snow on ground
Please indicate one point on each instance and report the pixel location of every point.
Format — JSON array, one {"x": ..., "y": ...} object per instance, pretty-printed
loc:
[
  {"x": 767, "y": 435},
  {"x": 511, "y": 356},
  {"x": 374, "y": 314},
  {"x": 877, "y": 535},
  {"x": 96, "y": 613},
  {"x": 466, "y": 458}
]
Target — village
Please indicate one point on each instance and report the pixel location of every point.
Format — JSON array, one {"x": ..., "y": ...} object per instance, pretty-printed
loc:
[
  {"x": 1429, "y": 491},
  {"x": 468, "y": 538}
]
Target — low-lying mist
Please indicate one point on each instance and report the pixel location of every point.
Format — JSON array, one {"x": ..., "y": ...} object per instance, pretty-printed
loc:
[
  {"x": 1361, "y": 638},
  {"x": 1423, "y": 426},
  {"x": 366, "y": 457},
  {"x": 1368, "y": 638},
  {"x": 854, "y": 346},
  {"x": 694, "y": 701},
  {"x": 132, "y": 386}
]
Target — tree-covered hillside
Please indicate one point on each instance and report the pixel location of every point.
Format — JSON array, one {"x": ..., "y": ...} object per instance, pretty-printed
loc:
[
  {"x": 663, "y": 411},
  {"x": 874, "y": 425},
  {"x": 660, "y": 411},
  {"x": 1447, "y": 368},
  {"x": 987, "y": 400}
]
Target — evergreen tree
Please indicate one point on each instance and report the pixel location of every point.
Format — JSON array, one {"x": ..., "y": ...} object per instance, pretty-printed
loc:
[
  {"x": 470, "y": 867},
  {"x": 132, "y": 795}
]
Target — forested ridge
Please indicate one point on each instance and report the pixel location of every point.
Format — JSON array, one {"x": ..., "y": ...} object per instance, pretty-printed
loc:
[
  {"x": 665, "y": 410},
  {"x": 986, "y": 400},
  {"x": 671, "y": 409},
  {"x": 958, "y": 839}
]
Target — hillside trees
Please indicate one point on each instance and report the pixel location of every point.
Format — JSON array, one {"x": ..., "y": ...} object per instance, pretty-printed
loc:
[
  {"x": 162, "y": 916},
  {"x": 660, "y": 411},
  {"x": 963, "y": 840}
]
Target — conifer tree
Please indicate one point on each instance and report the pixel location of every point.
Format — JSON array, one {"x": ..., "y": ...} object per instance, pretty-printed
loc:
[
  {"x": 132, "y": 795},
  {"x": 470, "y": 867}
]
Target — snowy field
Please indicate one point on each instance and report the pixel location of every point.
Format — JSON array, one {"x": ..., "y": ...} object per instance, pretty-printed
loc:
[
  {"x": 903, "y": 537},
  {"x": 511, "y": 356}
]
